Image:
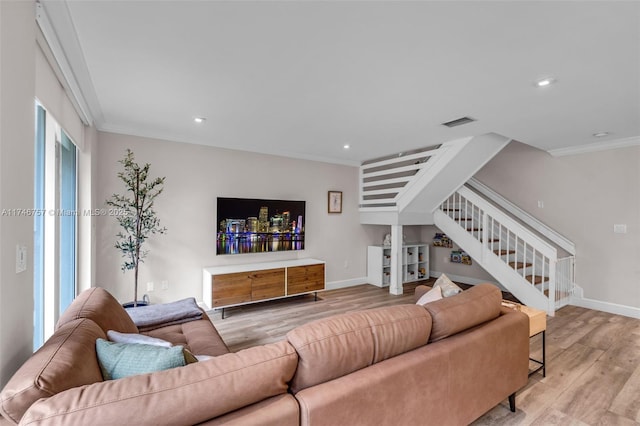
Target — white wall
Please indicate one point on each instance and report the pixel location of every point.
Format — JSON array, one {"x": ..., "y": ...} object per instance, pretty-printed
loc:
[
  {"x": 584, "y": 195},
  {"x": 195, "y": 176},
  {"x": 17, "y": 92}
]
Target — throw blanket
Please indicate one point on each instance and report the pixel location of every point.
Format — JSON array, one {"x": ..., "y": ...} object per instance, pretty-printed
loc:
[{"x": 150, "y": 317}]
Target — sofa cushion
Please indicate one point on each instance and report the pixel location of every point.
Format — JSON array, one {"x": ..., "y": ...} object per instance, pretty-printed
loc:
[
  {"x": 448, "y": 287},
  {"x": 338, "y": 345},
  {"x": 280, "y": 410},
  {"x": 117, "y": 337},
  {"x": 430, "y": 296},
  {"x": 66, "y": 360},
  {"x": 451, "y": 315},
  {"x": 179, "y": 396},
  {"x": 118, "y": 360},
  {"x": 102, "y": 308},
  {"x": 200, "y": 337},
  {"x": 419, "y": 291}
]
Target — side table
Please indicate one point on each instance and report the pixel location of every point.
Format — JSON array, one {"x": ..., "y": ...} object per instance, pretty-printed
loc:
[{"x": 537, "y": 325}]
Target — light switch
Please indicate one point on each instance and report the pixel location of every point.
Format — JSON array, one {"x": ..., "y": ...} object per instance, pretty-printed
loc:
[
  {"x": 620, "y": 228},
  {"x": 21, "y": 258}
]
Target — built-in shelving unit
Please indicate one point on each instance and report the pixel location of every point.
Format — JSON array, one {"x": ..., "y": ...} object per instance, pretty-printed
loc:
[{"x": 415, "y": 263}]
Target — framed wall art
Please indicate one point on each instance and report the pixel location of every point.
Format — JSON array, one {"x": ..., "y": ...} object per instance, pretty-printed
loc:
[{"x": 335, "y": 202}]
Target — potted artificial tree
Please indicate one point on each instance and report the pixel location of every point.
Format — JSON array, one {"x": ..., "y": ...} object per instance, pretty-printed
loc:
[{"x": 137, "y": 218}]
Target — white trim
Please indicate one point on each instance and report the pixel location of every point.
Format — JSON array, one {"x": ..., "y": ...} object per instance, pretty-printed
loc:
[
  {"x": 333, "y": 285},
  {"x": 612, "y": 308},
  {"x": 76, "y": 95},
  {"x": 529, "y": 220},
  {"x": 597, "y": 146},
  {"x": 108, "y": 128}
]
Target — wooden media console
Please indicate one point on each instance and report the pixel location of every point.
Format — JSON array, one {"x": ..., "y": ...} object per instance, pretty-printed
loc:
[{"x": 234, "y": 285}]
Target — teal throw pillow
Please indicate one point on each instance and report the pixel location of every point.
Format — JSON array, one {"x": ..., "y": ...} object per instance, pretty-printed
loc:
[{"x": 118, "y": 360}]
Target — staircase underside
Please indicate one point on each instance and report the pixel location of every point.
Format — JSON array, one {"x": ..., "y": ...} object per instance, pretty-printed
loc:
[
  {"x": 456, "y": 162},
  {"x": 492, "y": 261}
]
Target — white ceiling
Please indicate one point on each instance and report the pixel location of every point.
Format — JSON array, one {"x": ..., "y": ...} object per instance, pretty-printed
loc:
[{"x": 304, "y": 78}]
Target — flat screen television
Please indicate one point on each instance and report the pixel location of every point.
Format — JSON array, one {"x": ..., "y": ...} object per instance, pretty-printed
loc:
[{"x": 251, "y": 225}]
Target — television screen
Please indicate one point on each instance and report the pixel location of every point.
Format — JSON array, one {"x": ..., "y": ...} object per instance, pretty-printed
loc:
[{"x": 248, "y": 225}]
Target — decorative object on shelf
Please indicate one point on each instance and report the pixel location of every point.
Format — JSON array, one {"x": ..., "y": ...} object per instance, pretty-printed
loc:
[
  {"x": 387, "y": 240},
  {"x": 459, "y": 256},
  {"x": 441, "y": 240},
  {"x": 335, "y": 201},
  {"x": 138, "y": 219}
]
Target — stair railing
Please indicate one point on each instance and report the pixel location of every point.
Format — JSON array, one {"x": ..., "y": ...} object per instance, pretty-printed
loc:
[
  {"x": 534, "y": 259},
  {"x": 565, "y": 278},
  {"x": 533, "y": 223}
]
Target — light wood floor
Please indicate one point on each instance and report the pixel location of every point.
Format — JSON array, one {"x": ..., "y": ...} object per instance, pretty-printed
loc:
[{"x": 593, "y": 358}]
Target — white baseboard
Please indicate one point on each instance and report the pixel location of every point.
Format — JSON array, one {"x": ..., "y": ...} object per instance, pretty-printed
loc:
[
  {"x": 345, "y": 283},
  {"x": 577, "y": 299},
  {"x": 465, "y": 280},
  {"x": 612, "y": 308}
]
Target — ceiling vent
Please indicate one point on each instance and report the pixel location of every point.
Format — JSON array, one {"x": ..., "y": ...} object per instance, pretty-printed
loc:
[{"x": 459, "y": 122}]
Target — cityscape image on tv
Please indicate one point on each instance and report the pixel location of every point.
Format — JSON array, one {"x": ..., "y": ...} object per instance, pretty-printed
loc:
[{"x": 247, "y": 225}]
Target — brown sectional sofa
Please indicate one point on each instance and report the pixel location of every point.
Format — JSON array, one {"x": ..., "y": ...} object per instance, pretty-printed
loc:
[{"x": 446, "y": 363}]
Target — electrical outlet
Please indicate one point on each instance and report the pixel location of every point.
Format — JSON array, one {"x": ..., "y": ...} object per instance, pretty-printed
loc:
[
  {"x": 346, "y": 264},
  {"x": 150, "y": 286},
  {"x": 540, "y": 204},
  {"x": 164, "y": 284},
  {"x": 21, "y": 258}
]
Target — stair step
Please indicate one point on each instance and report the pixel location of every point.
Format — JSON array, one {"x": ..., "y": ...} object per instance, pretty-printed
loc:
[
  {"x": 463, "y": 218},
  {"x": 504, "y": 252},
  {"x": 536, "y": 279},
  {"x": 519, "y": 265},
  {"x": 474, "y": 229},
  {"x": 491, "y": 240}
]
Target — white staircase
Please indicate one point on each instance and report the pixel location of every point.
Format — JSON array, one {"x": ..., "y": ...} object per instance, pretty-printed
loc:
[
  {"x": 522, "y": 261},
  {"x": 405, "y": 188},
  {"x": 427, "y": 187}
]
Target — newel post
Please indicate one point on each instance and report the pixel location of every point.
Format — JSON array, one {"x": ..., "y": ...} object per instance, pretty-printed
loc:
[{"x": 395, "y": 285}]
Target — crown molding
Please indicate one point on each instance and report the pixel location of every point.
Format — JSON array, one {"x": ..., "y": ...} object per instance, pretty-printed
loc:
[
  {"x": 108, "y": 128},
  {"x": 595, "y": 147},
  {"x": 56, "y": 25}
]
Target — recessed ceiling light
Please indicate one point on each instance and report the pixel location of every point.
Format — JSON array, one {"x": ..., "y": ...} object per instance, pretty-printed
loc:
[
  {"x": 545, "y": 82},
  {"x": 601, "y": 134},
  {"x": 346, "y": 146},
  {"x": 199, "y": 120}
]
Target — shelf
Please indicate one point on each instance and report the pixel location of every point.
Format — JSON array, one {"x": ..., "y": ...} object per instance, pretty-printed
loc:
[{"x": 415, "y": 263}]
